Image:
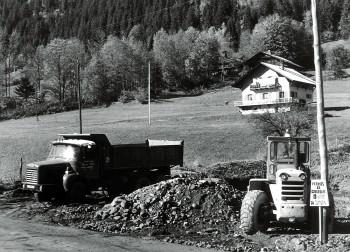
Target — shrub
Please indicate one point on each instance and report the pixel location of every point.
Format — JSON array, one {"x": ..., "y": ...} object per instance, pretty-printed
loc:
[
  {"x": 337, "y": 58},
  {"x": 126, "y": 96},
  {"x": 141, "y": 95}
]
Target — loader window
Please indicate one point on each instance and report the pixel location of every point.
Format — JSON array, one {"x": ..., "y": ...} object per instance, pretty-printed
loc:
[
  {"x": 285, "y": 151},
  {"x": 303, "y": 152}
]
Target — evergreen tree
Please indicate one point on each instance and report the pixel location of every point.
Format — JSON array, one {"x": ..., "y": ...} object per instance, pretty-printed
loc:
[{"x": 24, "y": 88}]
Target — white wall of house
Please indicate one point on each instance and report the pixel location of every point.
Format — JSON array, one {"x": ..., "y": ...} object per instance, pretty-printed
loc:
[
  {"x": 259, "y": 99},
  {"x": 303, "y": 93},
  {"x": 273, "y": 94}
]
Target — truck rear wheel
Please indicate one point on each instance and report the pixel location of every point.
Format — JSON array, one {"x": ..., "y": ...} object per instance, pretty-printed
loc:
[
  {"x": 77, "y": 192},
  {"x": 142, "y": 182},
  {"x": 41, "y": 196},
  {"x": 254, "y": 212}
]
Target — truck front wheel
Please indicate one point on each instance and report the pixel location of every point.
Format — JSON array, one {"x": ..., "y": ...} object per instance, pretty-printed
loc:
[
  {"x": 77, "y": 192},
  {"x": 254, "y": 212}
]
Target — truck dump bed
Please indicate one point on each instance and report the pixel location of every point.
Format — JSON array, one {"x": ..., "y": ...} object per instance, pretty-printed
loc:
[{"x": 148, "y": 155}]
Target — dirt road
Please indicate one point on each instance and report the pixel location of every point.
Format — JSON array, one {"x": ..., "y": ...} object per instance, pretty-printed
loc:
[{"x": 18, "y": 235}]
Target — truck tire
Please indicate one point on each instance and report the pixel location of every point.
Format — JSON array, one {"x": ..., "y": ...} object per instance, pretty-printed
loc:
[
  {"x": 254, "y": 216},
  {"x": 142, "y": 182},
  {"x": 41, "y": 196},
  {"x": 77, "y": 192}
]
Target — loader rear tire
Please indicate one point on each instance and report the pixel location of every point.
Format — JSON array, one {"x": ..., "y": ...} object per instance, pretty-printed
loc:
[{"x": 254, "y": 212}]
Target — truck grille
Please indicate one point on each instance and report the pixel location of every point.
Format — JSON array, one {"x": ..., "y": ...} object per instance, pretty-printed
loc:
[
  {"x": 292, "y": 190},
  {"x": 32, "y": 176}
]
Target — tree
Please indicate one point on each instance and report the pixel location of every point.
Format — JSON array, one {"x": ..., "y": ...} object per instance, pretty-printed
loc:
[
  {"x": 61, "y": 59},
  {"x": 35, "y": 67},
  {"x": 344, "y": 24},
  {"x": 203, "y": 60},
  {"x": 337, "y": 58},
  {"x": 282, "y": 36},
  {"x": 119, "y": 65},
  {"x": 299, "y": 122},
  {"x": 24, "y": 88}
]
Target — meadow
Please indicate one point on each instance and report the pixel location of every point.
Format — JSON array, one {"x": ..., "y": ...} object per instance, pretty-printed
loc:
[{"x": 212, "y": 128}]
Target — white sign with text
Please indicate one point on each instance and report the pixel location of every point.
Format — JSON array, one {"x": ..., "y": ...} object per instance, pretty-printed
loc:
[{"x": 319, "y": 193}]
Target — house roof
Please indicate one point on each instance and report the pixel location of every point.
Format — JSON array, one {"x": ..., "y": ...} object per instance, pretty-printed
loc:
[
  {"x": 289, "y": 73},
  {"x": 261, "y": 56}
]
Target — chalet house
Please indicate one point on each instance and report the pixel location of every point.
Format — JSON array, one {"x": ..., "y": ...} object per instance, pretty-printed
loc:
[{"x": 268, "y": 87}]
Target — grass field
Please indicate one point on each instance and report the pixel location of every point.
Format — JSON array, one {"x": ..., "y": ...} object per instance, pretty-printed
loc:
[
  {"x": 330, "y": 45},
  {"x": 213, "y": 132}
]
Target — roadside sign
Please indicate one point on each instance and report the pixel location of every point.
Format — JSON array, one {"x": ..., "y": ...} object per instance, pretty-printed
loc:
[{"x": 319, "y": 193}]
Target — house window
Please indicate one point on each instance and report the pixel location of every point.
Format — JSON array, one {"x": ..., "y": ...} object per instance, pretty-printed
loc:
[
  {"x": 308, "y": 96},
  {"x": 265, "y": 96},
  {"x": 250, "y": 97},
  {"x": 281, "y": 95},
  {"x": 294, "y": 94}
]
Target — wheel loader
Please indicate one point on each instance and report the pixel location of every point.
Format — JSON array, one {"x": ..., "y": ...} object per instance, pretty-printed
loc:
[{"x": 283, "y": 195}]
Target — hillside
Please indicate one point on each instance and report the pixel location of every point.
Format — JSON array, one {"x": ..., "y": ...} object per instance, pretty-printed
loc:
[
  {"x": 213, "y": 132},
  {"x": 332, "y": 44}
]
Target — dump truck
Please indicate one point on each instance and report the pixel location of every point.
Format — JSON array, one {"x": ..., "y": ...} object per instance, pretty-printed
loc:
[
  {"x": 79, "y": 164},
  {"x": 283, "y": 196}
]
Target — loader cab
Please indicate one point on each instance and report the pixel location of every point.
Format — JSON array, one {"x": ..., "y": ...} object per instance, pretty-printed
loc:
[{"x": 287, "y": 153}]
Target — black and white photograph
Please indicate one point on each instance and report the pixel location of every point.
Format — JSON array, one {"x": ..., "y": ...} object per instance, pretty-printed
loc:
[{"x": 175, "y": 125}]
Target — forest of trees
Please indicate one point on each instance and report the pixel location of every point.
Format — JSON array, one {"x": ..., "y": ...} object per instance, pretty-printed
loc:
[{"x": 107, "y": 44}]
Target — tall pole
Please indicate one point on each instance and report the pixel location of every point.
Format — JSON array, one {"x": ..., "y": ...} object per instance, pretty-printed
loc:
[
  {"x": 149, "y": 93},
  {"x": 320, "y": 115},
  {"x": 79, "y": 99}
]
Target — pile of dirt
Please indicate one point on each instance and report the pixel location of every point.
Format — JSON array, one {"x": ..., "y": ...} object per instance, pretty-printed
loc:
[
  {"x": 185, "y": 204},
  {"x": 238, "y": 172}
]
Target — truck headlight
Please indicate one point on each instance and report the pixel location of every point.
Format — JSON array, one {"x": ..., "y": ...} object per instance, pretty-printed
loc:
[
  {"x": 284, "y": 176},
  {"x": 302, "y": 176}
]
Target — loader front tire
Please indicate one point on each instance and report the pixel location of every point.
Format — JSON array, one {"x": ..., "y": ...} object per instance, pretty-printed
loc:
[{"x": 254, "y": 212}]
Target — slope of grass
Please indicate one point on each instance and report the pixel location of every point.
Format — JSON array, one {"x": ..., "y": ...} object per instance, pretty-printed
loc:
[
  {"x": 330, "y": 45},
  {"x": 213, "y": 131}
]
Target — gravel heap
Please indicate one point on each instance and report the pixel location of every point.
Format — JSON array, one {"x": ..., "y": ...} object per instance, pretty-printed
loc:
[
  {"x": 237, "y": 172},
  {"x": 184, "y": 204}
]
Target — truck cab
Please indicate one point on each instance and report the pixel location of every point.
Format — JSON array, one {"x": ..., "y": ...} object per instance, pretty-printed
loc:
[{"x": 66, "y": 155}]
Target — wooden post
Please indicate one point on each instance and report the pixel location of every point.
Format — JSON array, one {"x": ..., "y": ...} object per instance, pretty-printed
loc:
[
  {"x": 79, "y": 98},
  {"x": 320, "y": 115},
  {"x": 20, "y": 170},
  {"x": 149, "y": 93}
]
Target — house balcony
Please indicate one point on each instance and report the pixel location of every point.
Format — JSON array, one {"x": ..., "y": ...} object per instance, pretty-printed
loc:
[
  {"x": 259, "y": 86},
  {"x": 265, "y": 102}
]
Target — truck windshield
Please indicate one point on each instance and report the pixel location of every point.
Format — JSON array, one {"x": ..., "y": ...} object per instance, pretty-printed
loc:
[
  {"x": 282, "y": 151},
  {"x": 66, "y": 152}
]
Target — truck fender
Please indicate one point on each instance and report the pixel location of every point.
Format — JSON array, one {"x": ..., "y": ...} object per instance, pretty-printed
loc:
[
  {"x": 69, "y": 179},
  {"x": 260, "y": 184}
]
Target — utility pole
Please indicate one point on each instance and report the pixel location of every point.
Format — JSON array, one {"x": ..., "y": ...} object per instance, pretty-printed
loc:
[
  {"x": 320, "y": 117},
  {"x": 149, "y": 93},
  {"x": 79, "y": 98}
]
